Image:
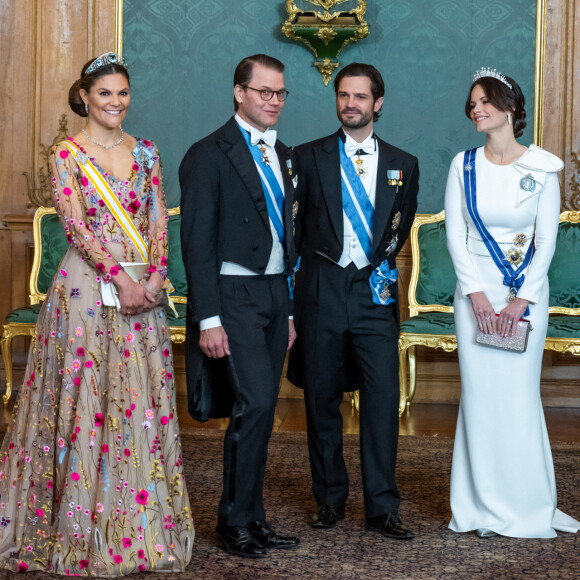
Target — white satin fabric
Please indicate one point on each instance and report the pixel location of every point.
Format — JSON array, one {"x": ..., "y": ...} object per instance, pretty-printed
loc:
[{"x": 502, "y": 474}]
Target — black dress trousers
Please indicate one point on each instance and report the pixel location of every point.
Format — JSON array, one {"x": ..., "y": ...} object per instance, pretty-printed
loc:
[
  {"x": 341, "y": 330},
  {"x": 255, "y": 318}
]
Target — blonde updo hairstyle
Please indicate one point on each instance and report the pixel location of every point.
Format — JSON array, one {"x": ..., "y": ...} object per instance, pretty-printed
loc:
[{"x": 87, "y": 81}]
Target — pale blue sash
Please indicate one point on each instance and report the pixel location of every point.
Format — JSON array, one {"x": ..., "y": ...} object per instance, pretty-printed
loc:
[
  {"x": 356, "y": 203},
  {"x": 272, "y": 190}
]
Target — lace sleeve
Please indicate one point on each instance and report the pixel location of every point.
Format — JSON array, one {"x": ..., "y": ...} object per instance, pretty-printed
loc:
[
  {"x": 68, "y": 199},
  {"x": 158, "y": 240}
]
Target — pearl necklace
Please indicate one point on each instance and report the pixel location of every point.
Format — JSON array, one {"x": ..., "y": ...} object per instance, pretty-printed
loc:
[{"x": 100, "y": 144}]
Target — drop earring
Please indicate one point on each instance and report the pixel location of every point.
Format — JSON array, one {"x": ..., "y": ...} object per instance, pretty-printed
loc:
[{"x": 509, "y": 116}]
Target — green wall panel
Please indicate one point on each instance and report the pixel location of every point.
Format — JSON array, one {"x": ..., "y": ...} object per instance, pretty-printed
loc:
[{"x": 183, "y": 53}]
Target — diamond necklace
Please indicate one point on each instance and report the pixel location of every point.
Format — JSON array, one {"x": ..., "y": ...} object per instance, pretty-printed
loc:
[{"x": 100, "y": 144}]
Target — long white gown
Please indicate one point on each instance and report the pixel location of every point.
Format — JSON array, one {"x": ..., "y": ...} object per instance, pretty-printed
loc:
[{"x": 502, "y": 476}]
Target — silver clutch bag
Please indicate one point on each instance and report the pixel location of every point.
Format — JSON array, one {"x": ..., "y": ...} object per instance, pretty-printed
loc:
[{"x": 518, "y": 342}]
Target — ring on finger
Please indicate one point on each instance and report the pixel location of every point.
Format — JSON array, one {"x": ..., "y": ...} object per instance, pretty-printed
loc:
[{"x": 510, "y": 321}]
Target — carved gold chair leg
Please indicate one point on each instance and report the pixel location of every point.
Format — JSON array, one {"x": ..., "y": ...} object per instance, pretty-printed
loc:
[
  {"x": 355, "y": 400},
  {"x": 412, "y": 375},
  {"x": 6, "y": 345},
  {"x": 402, "y": 375}
]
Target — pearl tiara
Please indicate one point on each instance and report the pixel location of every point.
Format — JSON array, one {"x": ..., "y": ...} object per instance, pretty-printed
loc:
[
  {"x": 105, "y": 60},
  {"x": 485, "y": 71}
]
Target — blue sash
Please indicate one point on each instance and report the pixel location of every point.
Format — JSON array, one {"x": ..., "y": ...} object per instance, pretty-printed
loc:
[
  {"x": 356, "y": 203},
  {"x": 511, "y": 278},
  {"x": 272, "y": 190}
]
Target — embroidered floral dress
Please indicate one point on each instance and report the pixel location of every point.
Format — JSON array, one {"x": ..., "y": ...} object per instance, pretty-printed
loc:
[{"x": 91, "y": 476}]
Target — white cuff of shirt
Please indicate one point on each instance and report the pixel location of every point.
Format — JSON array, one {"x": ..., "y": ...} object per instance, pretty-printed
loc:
[{"x": 212, "y": 322}]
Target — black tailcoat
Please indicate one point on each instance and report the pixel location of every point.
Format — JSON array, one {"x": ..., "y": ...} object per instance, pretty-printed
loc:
[
  {"x": 224, "y": 217},
  {"x": 345, "y": 342}
]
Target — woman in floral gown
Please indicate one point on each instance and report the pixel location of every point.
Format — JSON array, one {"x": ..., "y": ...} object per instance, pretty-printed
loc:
[{"x": 91, "y": 474}]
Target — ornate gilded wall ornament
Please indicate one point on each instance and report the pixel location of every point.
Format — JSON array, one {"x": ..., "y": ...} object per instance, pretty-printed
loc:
[
  {"x": 326, "y": 31},
  {"x": 39, "y": 185}
]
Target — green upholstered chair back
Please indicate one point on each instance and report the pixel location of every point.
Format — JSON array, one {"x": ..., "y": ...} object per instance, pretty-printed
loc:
[
  {"x": 564, "y": 273},
  {"x": 175, "y": 268},
  {"x": 433, "y": 279},
  {"x": 50, "y": 245}
]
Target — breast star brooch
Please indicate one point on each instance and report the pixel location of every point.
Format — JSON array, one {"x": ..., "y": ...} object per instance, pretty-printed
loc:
[{"x": 396, "y": 221}]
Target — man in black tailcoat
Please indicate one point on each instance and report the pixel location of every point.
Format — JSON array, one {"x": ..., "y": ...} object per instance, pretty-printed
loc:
[
  {"x": 358, "y": 197},
  {"x": 237, "y": 196}
]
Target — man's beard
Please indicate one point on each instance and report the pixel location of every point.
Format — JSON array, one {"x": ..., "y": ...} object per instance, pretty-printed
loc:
[{"x": 353, "y": 124}]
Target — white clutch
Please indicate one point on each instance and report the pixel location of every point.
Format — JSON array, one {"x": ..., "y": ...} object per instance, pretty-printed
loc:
[{"x": 109, "y": 294}]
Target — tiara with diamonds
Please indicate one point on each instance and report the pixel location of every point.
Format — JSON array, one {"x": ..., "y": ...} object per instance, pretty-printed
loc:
[
  {"x": 485, "y": 71},
  {"x": 105, "y": 60}
]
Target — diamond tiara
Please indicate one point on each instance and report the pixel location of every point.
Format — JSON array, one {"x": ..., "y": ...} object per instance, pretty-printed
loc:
[
  {"x": 485, "y": 71},
  {"x": 105, "y": 60}
]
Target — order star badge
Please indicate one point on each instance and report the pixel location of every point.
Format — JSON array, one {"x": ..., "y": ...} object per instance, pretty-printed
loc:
[
  {"x": 360, "y": 168},
  {"x": 265, "y": 159}
]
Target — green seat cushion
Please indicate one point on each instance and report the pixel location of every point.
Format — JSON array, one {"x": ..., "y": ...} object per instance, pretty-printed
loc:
[
  {"x": 181, "y": 310},
  {"x": 437, "y": 280},
  {"x": 564, "y": 327},
  {"x": 564, "y": 273},
  {"x": 54, "y": 245},
  {"x": 175, "y": 268},
  {"x": 24, "y": 315},
  {"x": 430, "y": 323}
]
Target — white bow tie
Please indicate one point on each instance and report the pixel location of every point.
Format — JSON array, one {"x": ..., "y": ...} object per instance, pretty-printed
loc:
[
  {"x": 351, "y": 147},
  {"x": 268, "y": 136}
]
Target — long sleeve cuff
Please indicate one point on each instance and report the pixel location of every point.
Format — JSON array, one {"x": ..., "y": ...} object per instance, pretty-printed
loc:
[{"x": 212, "y": 322}]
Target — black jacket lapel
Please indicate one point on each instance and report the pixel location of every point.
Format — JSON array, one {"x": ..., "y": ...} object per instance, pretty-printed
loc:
[
  {"x": 328, "y": 161},
  {"x": 235, "y": 147},
  {"x": 385, "y": 194},
  {"x": 287, "y": 168}
]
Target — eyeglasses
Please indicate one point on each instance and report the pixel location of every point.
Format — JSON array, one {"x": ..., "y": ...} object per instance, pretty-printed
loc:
[{"x": 267, "y": 94}]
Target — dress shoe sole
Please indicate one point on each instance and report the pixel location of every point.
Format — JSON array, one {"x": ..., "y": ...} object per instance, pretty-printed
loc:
[
  {"x": 239, "y": 552},
  {"x": 277, "y": 547},
  {"x": 407, "y": 536},
  {"x": 322, "y": 526}
]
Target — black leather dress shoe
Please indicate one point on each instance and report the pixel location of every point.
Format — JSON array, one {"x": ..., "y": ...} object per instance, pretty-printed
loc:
[
  {"x": 240, "y": 541},
  {"x": 268, "y": 538},
  {"x": 391, "y": 526},
  {"x": 327, "y": 516}
]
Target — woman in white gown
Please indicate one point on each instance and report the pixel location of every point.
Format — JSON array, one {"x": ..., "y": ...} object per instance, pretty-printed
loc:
[{"x": 502, "y": 478}]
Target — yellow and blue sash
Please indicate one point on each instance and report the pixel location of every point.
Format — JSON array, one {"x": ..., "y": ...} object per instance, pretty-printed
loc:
[
  {"x": 115, "y": 207},
  {"x": 356, "y": 203},
  {"x": 511, "y": 278},
  {"x": 272, "y": 190}
]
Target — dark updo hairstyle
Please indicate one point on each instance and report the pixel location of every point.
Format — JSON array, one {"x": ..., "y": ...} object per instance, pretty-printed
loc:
[
  {"x": 88, "y": 80},
  {"x": 504, "y": 99}
]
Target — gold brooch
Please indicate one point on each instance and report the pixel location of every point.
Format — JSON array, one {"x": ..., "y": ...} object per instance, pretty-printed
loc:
[
  {"x": 514, "y": 257},
  {"x": 385, "y": 292},
  {"x": 396, "y": 221},
  {"x": 520, "y": 240},
  {"x": 294, "y": 210}
]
